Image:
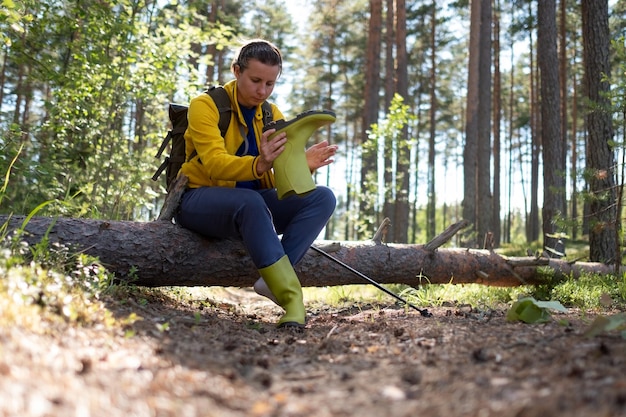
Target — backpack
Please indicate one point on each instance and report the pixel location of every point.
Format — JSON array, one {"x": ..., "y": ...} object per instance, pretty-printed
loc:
[{"x": 178, "y": 117}]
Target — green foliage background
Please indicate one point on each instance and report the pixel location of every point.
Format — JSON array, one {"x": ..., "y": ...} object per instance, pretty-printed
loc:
[{"x": 99, "y": 76}]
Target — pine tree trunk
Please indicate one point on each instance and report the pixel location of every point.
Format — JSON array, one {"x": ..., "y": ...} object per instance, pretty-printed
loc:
[
  {"x": 371, "y": 105},
  {"x": 470, "y": 150},
  {"x": 484, "y": 194},
  {"x": 553, "y": 163},
  {"x": 431, "y": 205},
  {"x": 388, "y": 169},
  {"x": 497, "y": 121},
  {"x": 600, "y": 156},
  {"x": 532, "y": 227},
  {"x": 401, "y": 209}
]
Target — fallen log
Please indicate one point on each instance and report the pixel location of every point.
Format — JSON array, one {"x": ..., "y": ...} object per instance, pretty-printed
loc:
[{"x": 161, "y": 253}]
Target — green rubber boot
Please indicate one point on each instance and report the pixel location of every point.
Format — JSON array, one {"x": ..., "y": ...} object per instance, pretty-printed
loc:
[
  {"x": 291, "y": 170},
  {"x": 282, "y": 280}
]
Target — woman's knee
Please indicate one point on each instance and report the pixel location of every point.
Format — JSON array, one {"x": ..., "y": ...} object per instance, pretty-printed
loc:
[
  {"x": 250, "y": 200},
  {"x": 327, "y": 198}
]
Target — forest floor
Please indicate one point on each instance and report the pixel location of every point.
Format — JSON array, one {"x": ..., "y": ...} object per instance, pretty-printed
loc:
[{"x": 222, "y": 356}]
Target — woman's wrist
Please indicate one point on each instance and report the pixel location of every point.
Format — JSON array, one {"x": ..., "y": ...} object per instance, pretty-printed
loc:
[{"x": 262, "y": 166}]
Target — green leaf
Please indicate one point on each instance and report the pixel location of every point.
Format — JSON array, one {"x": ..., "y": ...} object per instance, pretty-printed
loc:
[
  {"x": 603, "y": 324},
  {"x": 531, "y": 311},
  {"x": 9, "y": 4},
  {"x": 551, "y": 305}
]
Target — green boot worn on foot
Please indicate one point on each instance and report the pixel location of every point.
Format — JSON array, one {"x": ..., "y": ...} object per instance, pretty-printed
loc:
[
  {"x": 291, "y": 170},
  {"x": 282, "y": 280}
]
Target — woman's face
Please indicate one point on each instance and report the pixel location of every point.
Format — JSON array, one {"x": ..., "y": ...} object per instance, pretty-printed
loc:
[{"x": 255, "y": 83}]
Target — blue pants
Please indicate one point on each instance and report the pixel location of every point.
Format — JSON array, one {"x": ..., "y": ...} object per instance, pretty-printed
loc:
[{"x": 257, "y": 217}]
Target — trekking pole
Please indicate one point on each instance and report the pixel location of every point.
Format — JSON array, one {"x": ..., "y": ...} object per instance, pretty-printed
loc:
[{"x": 424, "y": 312}]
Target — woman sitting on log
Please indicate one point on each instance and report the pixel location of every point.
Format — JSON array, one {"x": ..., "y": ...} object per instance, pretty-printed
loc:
[{"x": 231, "y": 190}]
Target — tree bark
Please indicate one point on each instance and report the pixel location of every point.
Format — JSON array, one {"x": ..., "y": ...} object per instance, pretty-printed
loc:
[
  {"x": 431, "y": 204},
  {"x": 477, "y": 201},
  {"x": 470, "y": 150},
  {"x": 553, "y": 162},
  {"x": 160, "y": 253},
  {"x": 532, "y": 227},
  {"x": 389, "y": 202},
  {"x": 604, "y": 227},
  {"x": 496, "y": 226},
  {"x": 371, "y": 105},
  {"x": 484, "y": 194},
  {"x": 401, "y": 207}
]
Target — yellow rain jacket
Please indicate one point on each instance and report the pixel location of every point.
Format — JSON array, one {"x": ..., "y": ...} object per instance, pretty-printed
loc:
[{"x": 216, "y": 164}]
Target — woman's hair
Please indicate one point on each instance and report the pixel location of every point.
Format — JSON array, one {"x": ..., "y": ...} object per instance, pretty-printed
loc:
[{"x": 261, "y": 50}]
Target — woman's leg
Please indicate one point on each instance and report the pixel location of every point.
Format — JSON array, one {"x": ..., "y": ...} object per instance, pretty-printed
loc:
[
  {"x": 300, "y": 219},
  {"x": 243, "y": 214},
  {"x": 233, "y": 213}
]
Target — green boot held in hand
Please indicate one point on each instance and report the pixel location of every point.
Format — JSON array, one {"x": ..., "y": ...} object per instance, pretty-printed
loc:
[
  {"x": 282, "y": 280},
  {"x": 291, "y": 170}
]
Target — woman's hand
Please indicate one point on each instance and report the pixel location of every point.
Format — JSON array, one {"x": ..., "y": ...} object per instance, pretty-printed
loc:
[
  {"x": 269, "y": 150},
  {"x": 320, "y": 155}
]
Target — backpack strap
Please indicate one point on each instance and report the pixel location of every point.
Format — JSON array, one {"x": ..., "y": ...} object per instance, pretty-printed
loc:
[
  {"x": 222, "y": 101},
  {"x": 266, "y": 107}
]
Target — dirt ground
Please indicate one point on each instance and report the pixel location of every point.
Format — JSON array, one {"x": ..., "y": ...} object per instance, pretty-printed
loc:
[{"x": 223, "y": 357}]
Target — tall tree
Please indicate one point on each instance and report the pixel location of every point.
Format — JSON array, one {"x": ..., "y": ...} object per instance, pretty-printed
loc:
[
  {"x": 401, "y": 214},
  {"x": 497, "y": 118},
  {"x": 418, "y": 32},
  {"x": 432, "y": 81},
  {"x": 390, "y": 142},
  {"x": 477, "y": 204},
  {"x": 563, "y": 64},
  {"x": 574, "y": 157},
  {"x": 532, "y": 226},
  {"x": 553, "y": 154},
  {"x": 600, "y": 156},
  {"x": 470, "y": 150},
  {"x": 371, "y": 107}
]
